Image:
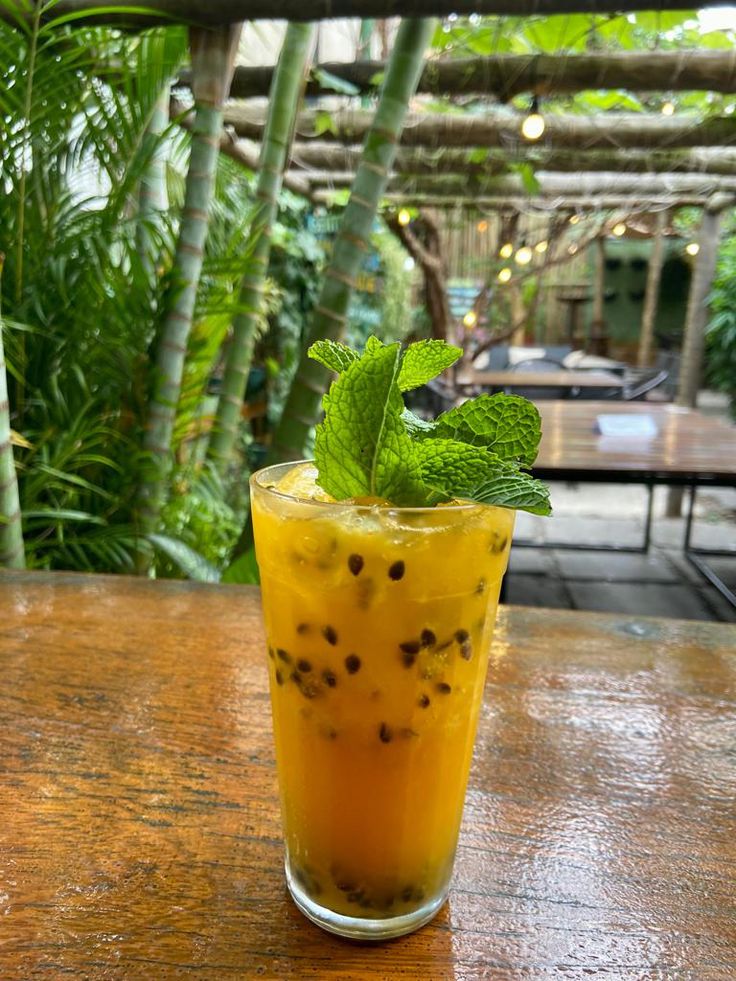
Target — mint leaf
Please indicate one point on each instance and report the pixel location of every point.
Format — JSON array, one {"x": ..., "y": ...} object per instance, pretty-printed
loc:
[
  {"x": 515, "y": 490},
  {"x": 416, "y": 427},
  {"x": 424, "y": 360},
  {"x": 456, "y": 470},
  {"x": 333, "y": 355},
  {"x": 362, "y": 448},
  {"x": 506, "y": 424}
]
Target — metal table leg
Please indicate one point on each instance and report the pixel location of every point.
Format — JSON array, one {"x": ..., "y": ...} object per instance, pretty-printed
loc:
[{"x": 695, "y": 556}]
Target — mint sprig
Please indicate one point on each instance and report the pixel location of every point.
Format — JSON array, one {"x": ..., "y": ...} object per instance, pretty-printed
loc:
[{"x": 370, "y": 445}]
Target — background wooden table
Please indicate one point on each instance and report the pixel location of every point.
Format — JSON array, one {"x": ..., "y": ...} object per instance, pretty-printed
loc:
[
  {"x": 140, "y": 832},
  {"x": 532, "y": 379}
]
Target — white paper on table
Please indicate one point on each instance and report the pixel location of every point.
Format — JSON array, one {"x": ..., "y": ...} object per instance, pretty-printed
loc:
[{"x": 620, "y": 425}]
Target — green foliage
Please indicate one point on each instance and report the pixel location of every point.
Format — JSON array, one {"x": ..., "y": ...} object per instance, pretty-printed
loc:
[{"x": 720, "y": 368}]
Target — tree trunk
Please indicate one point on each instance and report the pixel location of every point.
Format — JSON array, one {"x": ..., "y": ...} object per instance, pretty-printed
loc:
[
  {"x": 424, "y": 161},
  {"x": 691, "y": 364},
  {"x": 12, "y": 553},
  {"x": 212, "y": 60},
  {"x": 152, "y": 196},
  {"x": 497, "y": 128},
  {"x": 505, "y": 76},
  {"x": 429, "y": 258},
  {"x": 283, "y": 104},
  {"x": 651, "y": 296},
  {"x": 213, "y": 13},
  {"x": 353, "y": 239}
]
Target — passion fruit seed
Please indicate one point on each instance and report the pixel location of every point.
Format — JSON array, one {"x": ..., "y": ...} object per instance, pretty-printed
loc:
[
  {"x": 330, "y": 635},
  {"x": 284, "y": 655},
  {"x": 461, "y": 636},
  {"x": 443, "y": 688},
  {"x": 355, "y": 563},
  {"x": 304, "y": 665},
  {"x": 408, "y": 659},
  {"x": 397, "y": 570},
  {"x": 329, "y": 678},
  {"x": 410, "y": 647},
  {"x": 352, "y": 663},
  {"x": 481, "y": 587},
  {"x": 466, "y": 651},
  {"x": 279, "y": 677},
  {"x": 423, "y": 701},
  {"x": 384, "y": 733},
  {"x": 302, "y": 628},
  {"x": 428, "y": 638}
]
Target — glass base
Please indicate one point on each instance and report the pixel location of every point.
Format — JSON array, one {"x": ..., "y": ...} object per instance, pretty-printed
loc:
[{"x": 360, "y": 927}]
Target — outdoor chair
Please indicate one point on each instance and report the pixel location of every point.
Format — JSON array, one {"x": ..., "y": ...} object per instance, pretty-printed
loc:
[{"x": 638, "y": 383}]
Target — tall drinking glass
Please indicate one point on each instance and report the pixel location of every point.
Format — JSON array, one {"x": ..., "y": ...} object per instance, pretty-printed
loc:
[{"x": 379, "y": 622}]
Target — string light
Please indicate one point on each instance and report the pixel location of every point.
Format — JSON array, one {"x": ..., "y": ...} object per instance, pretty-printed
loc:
[
  {"x": 541, "y": 247},
  {"x": 619, "y": 229},
  {"x": 404, "y": 216},
  {"x": 470, "y": 319},
  {"x": 506, "y": 251},
  {"x": 574, "y": 219},
  {"x": 524, "y": 256},
  {"x": 692, "y": 248},
  {"x": 482, "y": 226},
  {"x": 572, "y": 249},
  {"x": 505, "y": 275},
  {"x": 668, "y": 108},
  {"x": 533, "y": 125}
]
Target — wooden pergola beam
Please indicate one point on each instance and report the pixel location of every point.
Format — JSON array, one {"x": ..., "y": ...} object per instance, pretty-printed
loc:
[
  {"x": 501, "y": 129},
  {"x": 629, "y": 204},
  {"x": 211, "y": 13},
  {"x": 418, "y": 161},
  {"x": 549, "y": 185},
  {"x": 505, "y": 76}
]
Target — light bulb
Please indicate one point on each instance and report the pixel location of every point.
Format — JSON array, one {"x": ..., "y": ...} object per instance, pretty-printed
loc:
[
  {"x": 692, "y": 248},
  {"x": 505, "y": 275},
  {"x": 619, "y": 229},
  {"x": 482, "y": 226},
  {"x": 404, "y": 217},
  {"x": 668, "y": 108},
  {"x": 533, "y": 126},
  {"x": 574, "y": 219},
  {"x": 470, "y": 319},
  {"x": 572, "y": 249},
  {"x": 524, "y": 256},
  {"x": 506, "y": 251},
  {"x": 541, "y": 247}
]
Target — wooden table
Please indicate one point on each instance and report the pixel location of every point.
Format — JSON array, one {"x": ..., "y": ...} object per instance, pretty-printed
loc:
[
  {"x": 570, "y": 380},
  {"x": 690, "y": 449},
  {"x": 140, "y": 831}
]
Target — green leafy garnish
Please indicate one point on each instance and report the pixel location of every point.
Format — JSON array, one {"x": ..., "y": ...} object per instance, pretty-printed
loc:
[{"x": 371, "y": 445}]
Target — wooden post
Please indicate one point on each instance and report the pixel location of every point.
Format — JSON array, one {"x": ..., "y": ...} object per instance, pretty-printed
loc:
[
  {"x": 597, "y": 341},
  {"x": 651, "y": 297}
]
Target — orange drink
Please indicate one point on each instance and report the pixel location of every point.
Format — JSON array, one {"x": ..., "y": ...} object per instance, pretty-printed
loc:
[{"x": 379, "y": 622}]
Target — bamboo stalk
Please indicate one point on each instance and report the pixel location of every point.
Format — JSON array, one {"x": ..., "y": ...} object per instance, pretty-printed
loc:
[
  {"x": 353, "y": 239},
  {"x": 284, "y": 100},
  {"x": 213, "y": 13},
  {"x": 12, "y": 553},
  {"x": 152, "y": 196},
  {"x": 651, "y": 296},
  {"x": 212, "y": 62},
  {"x": 499, "y": 129}
]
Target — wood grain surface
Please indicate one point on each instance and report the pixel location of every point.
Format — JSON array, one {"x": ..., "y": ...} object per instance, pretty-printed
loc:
[
  {"x": 139, "y": 825},
  {"x": 688, "y": 444}
]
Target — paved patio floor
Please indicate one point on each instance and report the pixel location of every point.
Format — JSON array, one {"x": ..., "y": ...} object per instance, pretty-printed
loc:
[{"x": 661, "y": 583}]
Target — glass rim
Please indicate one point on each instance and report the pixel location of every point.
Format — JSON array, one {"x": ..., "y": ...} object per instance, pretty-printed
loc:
[{"x": 256, "y": 480}]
